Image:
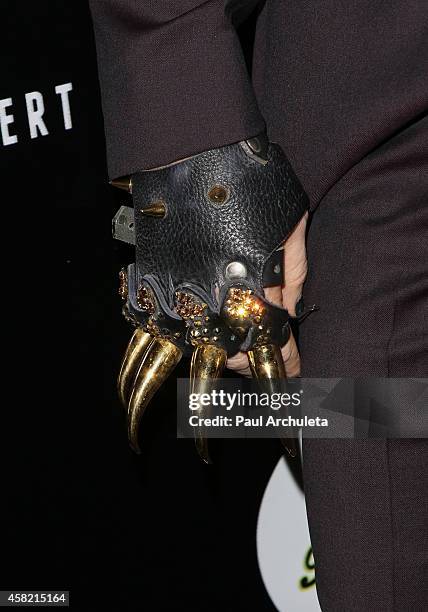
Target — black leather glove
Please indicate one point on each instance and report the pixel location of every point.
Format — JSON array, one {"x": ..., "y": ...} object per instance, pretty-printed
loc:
[{"x": 207, "y": 229}]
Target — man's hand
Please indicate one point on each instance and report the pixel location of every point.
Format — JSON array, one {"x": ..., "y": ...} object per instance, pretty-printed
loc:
[
  {"x": 288, "y": 295},
  {"x": 211, "y": 221}
]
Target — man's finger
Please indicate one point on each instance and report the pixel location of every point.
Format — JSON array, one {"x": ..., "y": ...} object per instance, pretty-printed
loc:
[
  {"x": 291, "y": 358},
  {"x": 295, "y": 266},
  {"x": 239, "y": 362}
]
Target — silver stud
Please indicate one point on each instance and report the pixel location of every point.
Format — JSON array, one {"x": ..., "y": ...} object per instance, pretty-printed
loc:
[{"x": 235, "y": 270}]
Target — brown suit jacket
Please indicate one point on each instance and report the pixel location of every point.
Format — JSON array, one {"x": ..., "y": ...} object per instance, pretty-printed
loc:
[{"x": 331, "y": 80}]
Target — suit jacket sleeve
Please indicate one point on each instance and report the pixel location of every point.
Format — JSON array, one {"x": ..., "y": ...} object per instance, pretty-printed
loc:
[{"x": 173, "y": 80}]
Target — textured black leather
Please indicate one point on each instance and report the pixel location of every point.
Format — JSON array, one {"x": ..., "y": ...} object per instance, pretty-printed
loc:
[
  {"x": 191, "y": 246},
  {"x": 198, "y": 238}
]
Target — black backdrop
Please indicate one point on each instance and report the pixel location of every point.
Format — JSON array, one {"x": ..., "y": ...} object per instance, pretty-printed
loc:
[{"x": 156, "y": 532}]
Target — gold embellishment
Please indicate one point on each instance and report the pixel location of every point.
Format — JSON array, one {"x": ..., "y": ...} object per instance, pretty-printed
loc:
[
  {"x": 153, "y": 329},
  {"x": 155, "y": 209},
  {"x": 145, "y": 300},
  {"x": 130, "y": 318},
  {"x": 187, "y": 307},
  {"x": 123, "y": 182},
  {"x": 219, "y": 194},
  {"x": 159, "y": 361},
  {"x": 242, "y": 304},
  {"x": 207, "y": 364},
  {"x": 123, "y": 284},
  {"x": 137, "y": 348}
]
